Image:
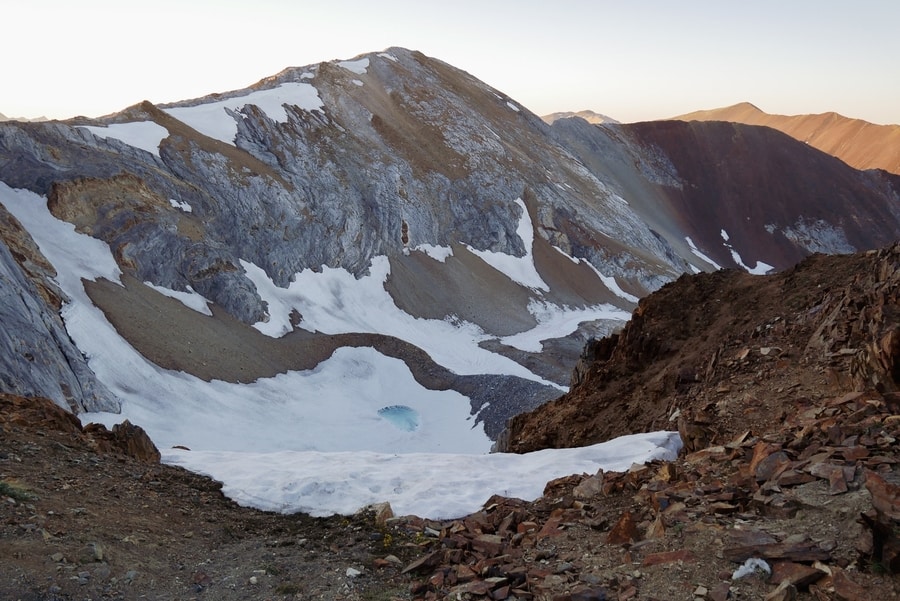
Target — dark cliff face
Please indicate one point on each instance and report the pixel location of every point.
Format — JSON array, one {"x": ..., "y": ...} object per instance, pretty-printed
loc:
[
  {"x": 770, "y": 192},
  {"x": 709, "y": 346},
  {"x": 398, "y": 151}
]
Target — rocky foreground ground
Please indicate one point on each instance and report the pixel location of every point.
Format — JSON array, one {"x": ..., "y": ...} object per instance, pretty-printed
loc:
[{"x": 791, "y": 459}]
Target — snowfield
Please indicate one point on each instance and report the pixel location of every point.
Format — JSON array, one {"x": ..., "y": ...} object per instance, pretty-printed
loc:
[{"x": 355, "y": 430}]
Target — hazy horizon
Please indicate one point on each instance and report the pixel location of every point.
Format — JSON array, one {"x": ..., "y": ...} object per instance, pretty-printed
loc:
[{"x": 630, "y": 61}]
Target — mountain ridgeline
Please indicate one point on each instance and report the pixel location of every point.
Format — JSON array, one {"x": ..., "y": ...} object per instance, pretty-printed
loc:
[{"x": 486, "y": 215}]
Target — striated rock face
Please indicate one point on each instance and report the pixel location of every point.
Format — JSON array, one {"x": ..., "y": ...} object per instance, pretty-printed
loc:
[
  {"x": 333, "y": 165},
  {"x": 708, "y": 347},
  {"x": 37, "y": 357}
]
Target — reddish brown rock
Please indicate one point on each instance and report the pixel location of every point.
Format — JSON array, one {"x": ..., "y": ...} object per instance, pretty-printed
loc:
[
  {"x": 625, "y": 531},
  {"x": 798, "y": 574},
  {"x": 885, "y": 496},
  {"x": 665, "y": 557},
  {"x": 846, "y": 589}
]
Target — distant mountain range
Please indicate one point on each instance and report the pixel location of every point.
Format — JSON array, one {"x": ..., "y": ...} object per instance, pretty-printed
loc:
[
  {"x": 589, "y": 116},
  {"x": 257, "y": 254},
  {"x": 5, "y": 118},
  {"x": 858, "y": 143}
]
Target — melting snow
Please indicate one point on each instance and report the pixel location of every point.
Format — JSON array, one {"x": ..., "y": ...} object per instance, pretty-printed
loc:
[
  {"x": 145, "y": 135},
  {"x": 212, "y": 119},
  {"x": 388, "y": 56},
  {"x": 512, "y": 106}
]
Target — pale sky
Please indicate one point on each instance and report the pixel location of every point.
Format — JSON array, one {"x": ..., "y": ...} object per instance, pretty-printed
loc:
[{"x": 630, "y": 59}]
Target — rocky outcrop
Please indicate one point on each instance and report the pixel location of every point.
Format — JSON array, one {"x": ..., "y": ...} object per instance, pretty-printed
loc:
[
  {"x": 43, "y": 415},
  {"x": 709, "y": 346},
  {"x": 811, "y": 503}
]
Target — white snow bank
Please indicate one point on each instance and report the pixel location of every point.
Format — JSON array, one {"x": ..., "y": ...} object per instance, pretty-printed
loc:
[
  {"x": 555, "y": 322},
  {"x": 428, "y": 485},
  {"x": 359, "y": 66},
  {"x": 145, "y": 135},
  {"x": 212, "y": 119},
  {"x": 438, "y": 253},
  {"x": 519, "y": 269}
]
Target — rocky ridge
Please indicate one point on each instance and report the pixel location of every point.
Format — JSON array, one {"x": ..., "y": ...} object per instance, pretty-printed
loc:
[
  {"x": 859, "y": 143},
  {"x": 714, "y": 352}
]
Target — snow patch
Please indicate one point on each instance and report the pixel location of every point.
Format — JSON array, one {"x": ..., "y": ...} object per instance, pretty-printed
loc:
[
  {"x": 181, "y": 205},
  {"x": 212, "y": 119},
  {"x": 359, "y": 66},
  {"x": 519, "y": 269},
  {"x": 759, "y": 269},
  {"x": 433, "y": 486},
  {"x": 333, "y": 301},
  {"x": 512, "y": 106},
  {"x": 608, "y": 281},
  {"x": 389, "y": 56},
  {"x": 145, "y": 135},
  {"x": 438, "y": 253},
  {"x": 699, "y": 254},
  {"x": 554, "y": 321},
  {"x": 190, "y": 299}
]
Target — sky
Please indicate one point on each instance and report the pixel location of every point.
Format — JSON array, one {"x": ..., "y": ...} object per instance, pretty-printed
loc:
[{"x": 631, "y": 60}]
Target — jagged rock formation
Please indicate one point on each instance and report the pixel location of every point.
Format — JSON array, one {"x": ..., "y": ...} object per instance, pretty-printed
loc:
[
  {"x": 859, "y": 143},
  {"x": 36, "y": 353},
  {"x": 396, "y": 153},
  {"x": 707, "y": 347}
]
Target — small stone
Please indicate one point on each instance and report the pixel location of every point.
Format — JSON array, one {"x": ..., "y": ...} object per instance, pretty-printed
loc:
[
  {"x": 701, "y": 591},
  {"x": 57, "y": 557},
  {"x": 720, "y": 592},
  {"x": 353, "y": 573},
  {"x": 254, "y": 580}
]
